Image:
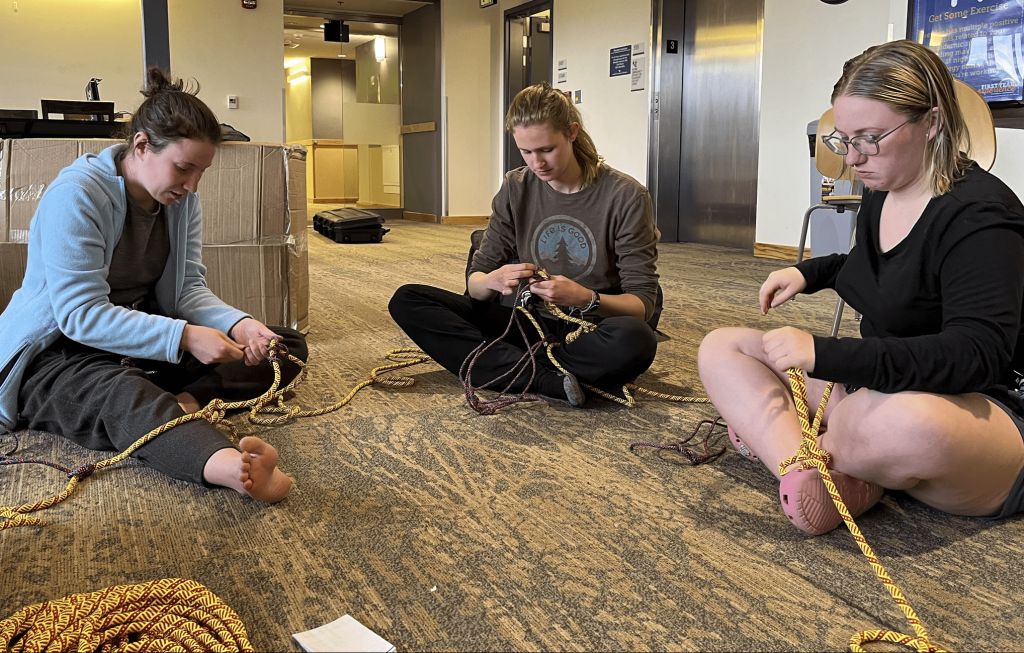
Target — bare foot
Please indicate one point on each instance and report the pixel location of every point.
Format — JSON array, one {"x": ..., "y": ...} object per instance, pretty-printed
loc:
[
  {"x": 259, "y": 475},
  {"x": 253, "y": 471}
]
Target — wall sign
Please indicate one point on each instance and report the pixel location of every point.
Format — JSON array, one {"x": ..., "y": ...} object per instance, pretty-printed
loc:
[
  {"x": 249, "y": 4},
  {"x": 620, "y": 60},
  {"x": 487, "y": 3}
]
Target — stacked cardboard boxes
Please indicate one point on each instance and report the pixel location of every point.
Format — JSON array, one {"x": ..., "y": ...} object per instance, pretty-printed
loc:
[{"x": 255, "y": 241}]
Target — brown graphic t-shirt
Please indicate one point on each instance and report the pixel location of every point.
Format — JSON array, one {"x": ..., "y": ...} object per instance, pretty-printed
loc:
[{"x": 602, "y": 237}]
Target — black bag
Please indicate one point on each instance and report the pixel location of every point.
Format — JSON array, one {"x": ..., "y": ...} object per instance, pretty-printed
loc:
[{"x": 350, "y": 226}]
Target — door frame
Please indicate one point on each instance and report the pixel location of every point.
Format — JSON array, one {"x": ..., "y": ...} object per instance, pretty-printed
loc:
[{"x": 520, "y": 11}]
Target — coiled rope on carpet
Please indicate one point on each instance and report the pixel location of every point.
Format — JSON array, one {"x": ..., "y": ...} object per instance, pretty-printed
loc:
[
  {"x": 808, "y": 455},
  {"x": 172, "y": 614}
]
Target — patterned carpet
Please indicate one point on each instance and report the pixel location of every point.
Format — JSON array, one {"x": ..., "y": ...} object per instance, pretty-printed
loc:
[{"x": 534, "y": 529}]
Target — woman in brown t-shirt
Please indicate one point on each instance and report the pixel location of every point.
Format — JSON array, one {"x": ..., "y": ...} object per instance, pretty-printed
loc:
[{"x": 591, "y": 228}]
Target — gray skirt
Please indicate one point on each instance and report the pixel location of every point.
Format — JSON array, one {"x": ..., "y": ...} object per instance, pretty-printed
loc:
[{"x": 1015, "y": 501}]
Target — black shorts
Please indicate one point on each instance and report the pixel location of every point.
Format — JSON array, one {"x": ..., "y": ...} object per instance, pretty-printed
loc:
[{"x": 1015, "y": 501}]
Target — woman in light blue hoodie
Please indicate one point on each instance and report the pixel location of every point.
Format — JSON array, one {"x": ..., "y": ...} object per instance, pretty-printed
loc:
[{"x": 114, "y": 331}]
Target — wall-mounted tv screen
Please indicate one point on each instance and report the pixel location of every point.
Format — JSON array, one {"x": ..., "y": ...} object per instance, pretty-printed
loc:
[{"x": 979, "y": 40}]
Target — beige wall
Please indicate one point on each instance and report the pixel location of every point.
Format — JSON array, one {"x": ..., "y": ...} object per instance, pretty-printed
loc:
[
  {"x": 584, "y": 31},
  {"x": 617, "y": 118},
  {"x": 473, "y": 144},
  {"x": 233, "y": 51},
  {"x": 51, "y": 48},
  {"x": 299, "y": 102},
  {"x": 797, "y": 75}
]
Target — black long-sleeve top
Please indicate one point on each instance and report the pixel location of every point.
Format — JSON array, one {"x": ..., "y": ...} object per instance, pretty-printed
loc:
[{"x": 942, "y": 309}]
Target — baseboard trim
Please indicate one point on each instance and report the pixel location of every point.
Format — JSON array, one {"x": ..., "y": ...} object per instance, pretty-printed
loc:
[
  {"x": 779, "y": 252},
  {"x": 419, "y": 217},
  {"x": 465, "y": 219},
  {"x": 332, "y": 200}
]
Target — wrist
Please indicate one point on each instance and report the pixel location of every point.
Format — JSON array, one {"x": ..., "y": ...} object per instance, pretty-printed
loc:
[
  {"x": 237, "y": 325},
  {"x": 593, "y": 303}
]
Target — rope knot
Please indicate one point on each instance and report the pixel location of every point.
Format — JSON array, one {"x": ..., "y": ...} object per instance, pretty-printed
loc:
[
  {"x": 83, "y": 471},
  {"x": 278, "y": 351}
]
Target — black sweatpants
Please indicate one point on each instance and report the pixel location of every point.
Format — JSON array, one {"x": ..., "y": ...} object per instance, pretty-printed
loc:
[
  {"x": 89, "y": 397},
  {"x": 448, "y": 327}
]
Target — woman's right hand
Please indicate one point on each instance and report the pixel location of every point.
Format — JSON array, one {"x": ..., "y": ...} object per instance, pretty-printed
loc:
[
  {"x": 210, "y": 345},
  {"x": 506, "y": 279},
  {"x": 780, "y": 287}
]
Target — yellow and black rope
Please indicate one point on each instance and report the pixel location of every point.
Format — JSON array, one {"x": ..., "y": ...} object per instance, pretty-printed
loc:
[
  {"x": 811, "y": 455},
  {"x": 173, "y": 614}
]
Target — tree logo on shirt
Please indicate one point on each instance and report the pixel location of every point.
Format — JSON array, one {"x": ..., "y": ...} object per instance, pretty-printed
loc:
[{"x": 564, "y": 245}]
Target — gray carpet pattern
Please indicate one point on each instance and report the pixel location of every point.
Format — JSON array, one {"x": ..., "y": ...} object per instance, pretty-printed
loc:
[{"x": 533, "y": 529}]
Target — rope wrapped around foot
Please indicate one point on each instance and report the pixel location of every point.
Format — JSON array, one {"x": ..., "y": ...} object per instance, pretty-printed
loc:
[
  {"x": 173, "y": 614},
  {"x": 811, "y": 455}
]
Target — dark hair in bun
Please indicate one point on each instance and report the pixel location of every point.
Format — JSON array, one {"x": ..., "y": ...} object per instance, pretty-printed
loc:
[{"x": 172, "y": 112}]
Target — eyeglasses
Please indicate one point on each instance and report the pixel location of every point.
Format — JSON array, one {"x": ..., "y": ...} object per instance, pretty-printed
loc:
[{"x": 866, "y": 145}]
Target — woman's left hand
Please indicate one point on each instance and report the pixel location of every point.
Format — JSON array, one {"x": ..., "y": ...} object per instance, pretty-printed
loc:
[
  {"x": 562, "y": 291},
  {"x": 255, "y": 337},
  {"x": 789, "y": 347}
]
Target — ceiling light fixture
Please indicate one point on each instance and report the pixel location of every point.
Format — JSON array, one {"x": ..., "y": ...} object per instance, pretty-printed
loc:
[{"x": 380, "y": 48}]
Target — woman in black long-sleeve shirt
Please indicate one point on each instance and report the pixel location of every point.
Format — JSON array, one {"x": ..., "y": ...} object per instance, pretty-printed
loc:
[{"x": 923, "y": 401}]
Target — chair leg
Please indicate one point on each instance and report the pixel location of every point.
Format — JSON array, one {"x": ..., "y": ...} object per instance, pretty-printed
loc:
[
  {"x": 839, "y": 317},
  {"x": 803, "y": 228}
]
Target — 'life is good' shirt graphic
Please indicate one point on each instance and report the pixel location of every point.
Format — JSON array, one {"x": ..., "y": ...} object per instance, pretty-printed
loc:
[{"x": 564, "y": 245}]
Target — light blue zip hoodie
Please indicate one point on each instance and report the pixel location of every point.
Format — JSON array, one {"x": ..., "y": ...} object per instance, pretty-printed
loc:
[{"x": 71, "y": 241}]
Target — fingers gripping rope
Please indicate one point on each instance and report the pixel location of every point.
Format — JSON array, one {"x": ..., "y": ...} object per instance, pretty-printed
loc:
[
  {"x": 529, "y": 358},
  {"x": 164, "y": 615},
  {"x": 811, "y": 455},
  {"x": 214, "y": 413}
]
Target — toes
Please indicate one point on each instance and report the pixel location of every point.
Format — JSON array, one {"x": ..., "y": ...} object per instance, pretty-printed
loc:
[{"x": 252, "y": 445}]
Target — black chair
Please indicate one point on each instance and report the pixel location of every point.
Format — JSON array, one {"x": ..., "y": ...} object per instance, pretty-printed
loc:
[{"x": 78, "y": 110}]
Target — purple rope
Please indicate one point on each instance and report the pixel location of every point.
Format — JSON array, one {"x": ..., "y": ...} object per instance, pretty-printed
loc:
[
  {"x": 504, "y": 398},
  {"x": 694, "y": 457}
]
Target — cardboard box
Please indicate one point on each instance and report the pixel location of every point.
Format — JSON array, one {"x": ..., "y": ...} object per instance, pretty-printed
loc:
[
  {"x": 298, "y": 282},
  {"x": 13, "y": 257},
  {"x": 33, "y": 165},
  {"x": 252, "y": 278},
  {"x": 282, "y": 191},
  {"x": 5, "y": 164},
  {"x": 229, "y": 193},
  {"x": 96, "y": 145}
]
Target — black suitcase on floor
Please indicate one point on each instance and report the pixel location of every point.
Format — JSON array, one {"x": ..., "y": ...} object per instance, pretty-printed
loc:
[
  {"x": 350, "y": 226},
  {"x": 360, "y": 235}
]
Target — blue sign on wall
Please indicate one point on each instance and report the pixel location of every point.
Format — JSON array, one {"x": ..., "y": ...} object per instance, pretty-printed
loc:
[
  {"x": 979, "y": 41},
  {"x": 620, "y": 60}
]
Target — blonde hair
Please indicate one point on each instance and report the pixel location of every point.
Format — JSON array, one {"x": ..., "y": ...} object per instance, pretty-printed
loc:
[
  {"x": 539, "y": 104},
  {"x": 912, "y": 80}
]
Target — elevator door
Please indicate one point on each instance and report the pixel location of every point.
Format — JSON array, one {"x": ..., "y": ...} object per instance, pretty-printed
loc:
[
  {"x": 528, "y": 34},
  {"x": 705, "y": 141}
]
